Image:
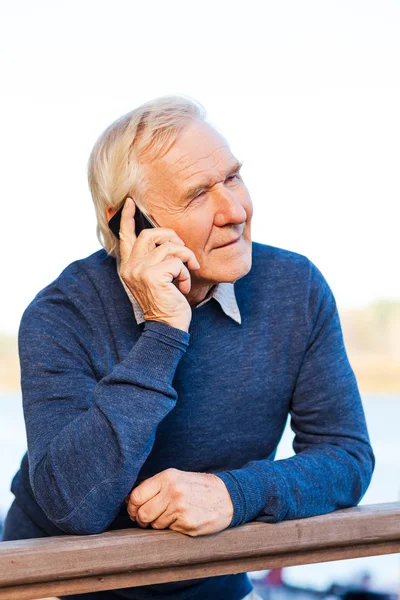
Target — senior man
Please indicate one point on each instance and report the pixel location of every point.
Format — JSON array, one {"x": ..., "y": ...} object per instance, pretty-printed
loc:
[{"x": 158, "y": 372}]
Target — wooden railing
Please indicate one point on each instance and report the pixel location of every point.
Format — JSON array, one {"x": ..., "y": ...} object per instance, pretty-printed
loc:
[{"x": 74, "y": 564}]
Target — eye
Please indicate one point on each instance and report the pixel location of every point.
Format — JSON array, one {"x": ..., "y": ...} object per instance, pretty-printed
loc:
[{"x": 232, "y": 177}]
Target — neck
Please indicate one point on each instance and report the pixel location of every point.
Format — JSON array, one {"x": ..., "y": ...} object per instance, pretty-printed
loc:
[{"x": 198, "y": 294}]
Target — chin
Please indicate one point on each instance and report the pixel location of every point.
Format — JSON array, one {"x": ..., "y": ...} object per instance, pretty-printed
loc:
[{"x": 231, "y": 271}]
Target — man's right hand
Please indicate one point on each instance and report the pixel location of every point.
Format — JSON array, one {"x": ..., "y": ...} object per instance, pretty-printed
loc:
[{"x": 149, "y": 270}]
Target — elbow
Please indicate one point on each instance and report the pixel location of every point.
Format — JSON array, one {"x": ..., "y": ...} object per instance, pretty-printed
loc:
[
  {"x": 369, "y": 467},
  {"x": 363, "y": 477},
  {"x": 83, "y": 520},
  {"x": 80, "y": 519},
  {"x": 75, "y": 523},
  {"x": 87, "y": 517},
  {"x": 75, "y": 528}
]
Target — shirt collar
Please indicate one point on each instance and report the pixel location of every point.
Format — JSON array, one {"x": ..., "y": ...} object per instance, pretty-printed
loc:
[{"x": 223, "y": 292}]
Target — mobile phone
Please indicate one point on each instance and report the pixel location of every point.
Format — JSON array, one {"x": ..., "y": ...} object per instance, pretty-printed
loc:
[{"x": 141, "y": 221}]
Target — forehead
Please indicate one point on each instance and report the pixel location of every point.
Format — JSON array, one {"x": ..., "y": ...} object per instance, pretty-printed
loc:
[{"x": 199, "y": 151}]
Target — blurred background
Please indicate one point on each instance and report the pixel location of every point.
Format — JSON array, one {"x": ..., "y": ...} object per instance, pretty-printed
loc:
[{"x": 307, "y": 94}]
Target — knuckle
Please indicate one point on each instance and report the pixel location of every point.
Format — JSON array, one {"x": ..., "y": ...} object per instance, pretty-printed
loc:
[
  {"x": 146, "y": 232},
  {"x": 171, "y": 475},
  {"x": 179, "y": 497},
  {"x": 143, "y": 515},
  {"x": 176, "y": 262},
  {"x": 171, "y": 471},
  {"x": 136, "y": 496}
]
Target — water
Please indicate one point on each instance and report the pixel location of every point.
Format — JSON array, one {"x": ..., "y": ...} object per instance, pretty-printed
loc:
[{"x": 383, "y": 417}]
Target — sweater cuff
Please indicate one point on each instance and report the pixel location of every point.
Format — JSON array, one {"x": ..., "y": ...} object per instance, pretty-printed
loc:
[
  {"x": 157, "y": 352},
  {"x": 255, "y": 489}
]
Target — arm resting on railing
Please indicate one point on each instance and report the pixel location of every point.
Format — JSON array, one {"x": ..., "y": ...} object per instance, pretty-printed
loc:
[
  {"x": 334, "y": 459},
  {"x": 88, "y": 438}
]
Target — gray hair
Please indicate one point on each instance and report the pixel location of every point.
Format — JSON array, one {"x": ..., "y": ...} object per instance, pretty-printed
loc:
[{"x": 113, "y": 167}]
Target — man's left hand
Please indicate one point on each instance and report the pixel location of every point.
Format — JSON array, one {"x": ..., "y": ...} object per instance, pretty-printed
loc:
[{"x": 191, "y": 503}]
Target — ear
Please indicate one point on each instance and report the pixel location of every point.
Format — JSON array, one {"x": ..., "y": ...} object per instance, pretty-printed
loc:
[{"x": 110, "y": 212}]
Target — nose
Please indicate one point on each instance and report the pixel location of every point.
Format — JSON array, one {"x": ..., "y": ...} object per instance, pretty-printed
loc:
[{"x": 229, "y": 208}]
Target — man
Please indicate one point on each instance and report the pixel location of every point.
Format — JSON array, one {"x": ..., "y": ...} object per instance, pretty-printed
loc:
[{"x": 158, "y": 373}]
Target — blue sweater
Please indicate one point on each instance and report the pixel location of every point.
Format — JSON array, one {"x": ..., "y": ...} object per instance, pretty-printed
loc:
[{"x": 108, "y": 403}]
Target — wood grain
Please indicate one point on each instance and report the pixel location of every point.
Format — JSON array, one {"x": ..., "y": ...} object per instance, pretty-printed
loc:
[{"x": 44, "y": 567}]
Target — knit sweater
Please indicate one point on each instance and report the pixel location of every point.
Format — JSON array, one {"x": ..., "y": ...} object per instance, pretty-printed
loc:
[{"x": 109, "y": 402}]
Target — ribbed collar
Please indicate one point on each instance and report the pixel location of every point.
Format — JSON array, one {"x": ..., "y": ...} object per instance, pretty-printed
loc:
[{"x": 223, "y": 292}]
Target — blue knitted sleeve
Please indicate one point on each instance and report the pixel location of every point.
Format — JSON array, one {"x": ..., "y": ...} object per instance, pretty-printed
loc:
[
  {"x": 334, "y": 460},
  {"x": 88, "y": 437}
]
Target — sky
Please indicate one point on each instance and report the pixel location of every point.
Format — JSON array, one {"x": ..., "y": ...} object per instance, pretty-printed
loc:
[{"x": 306, "y": 93}]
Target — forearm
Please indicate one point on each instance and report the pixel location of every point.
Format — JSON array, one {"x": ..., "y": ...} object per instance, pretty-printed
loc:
[
  {"x": 81, "y": 477},
  {"x": 315, "y": 481},
  {"x": 334, "y": 459}
]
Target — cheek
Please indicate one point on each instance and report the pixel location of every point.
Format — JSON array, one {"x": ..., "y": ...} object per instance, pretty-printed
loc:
[
  {"x": 247, "y": 203},
  {"x": 195, "y": 230}
]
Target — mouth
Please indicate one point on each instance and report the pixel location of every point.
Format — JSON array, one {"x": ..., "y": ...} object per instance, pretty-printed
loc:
[{"x": 235, "y": 241}]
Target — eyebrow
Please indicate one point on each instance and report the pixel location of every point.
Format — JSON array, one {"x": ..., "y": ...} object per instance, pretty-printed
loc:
[{"x": 194, "y": 190}]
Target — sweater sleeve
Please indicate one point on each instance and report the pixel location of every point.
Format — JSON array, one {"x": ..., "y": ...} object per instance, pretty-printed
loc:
[
  {"x": 89, "y": 436},
  {"x": 334, "y": 460}
]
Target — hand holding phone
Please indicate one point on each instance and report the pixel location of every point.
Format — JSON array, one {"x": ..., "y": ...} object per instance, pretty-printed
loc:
[{"x": 150, "y": 261}]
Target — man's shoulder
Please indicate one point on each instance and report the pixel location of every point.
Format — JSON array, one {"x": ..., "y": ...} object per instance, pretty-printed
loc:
[
  {"x": 285, "y": 273},
  {"x": 273, "y": 261},
  {"x": 277, "y": 254}
]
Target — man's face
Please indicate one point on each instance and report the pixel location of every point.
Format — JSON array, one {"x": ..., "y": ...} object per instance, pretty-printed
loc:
[{"x": 220, "y": 211}]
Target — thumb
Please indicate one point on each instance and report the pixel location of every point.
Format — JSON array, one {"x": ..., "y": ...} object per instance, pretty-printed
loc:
[{"x": 127, "y": 235}]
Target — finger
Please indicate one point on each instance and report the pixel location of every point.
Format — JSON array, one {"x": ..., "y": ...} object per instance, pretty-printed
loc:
[
  {"x": 148, "y": 238},
  {"x": 146, "y": 490},
  {"x": 184, "y": 281},
  {"x": 171, "y": 249},
  {"x": 164, "y": 520},
  {"x": 141, "y": 523},
  {"x": 177, "y": 526},
  {"x": 174, "y": 268},
  {"x": 127, "y": 235},
  {"x": 151, "y": 510}
]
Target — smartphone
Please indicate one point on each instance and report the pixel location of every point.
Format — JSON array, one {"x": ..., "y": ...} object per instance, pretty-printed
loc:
[{"x": 141, "y": 221}]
